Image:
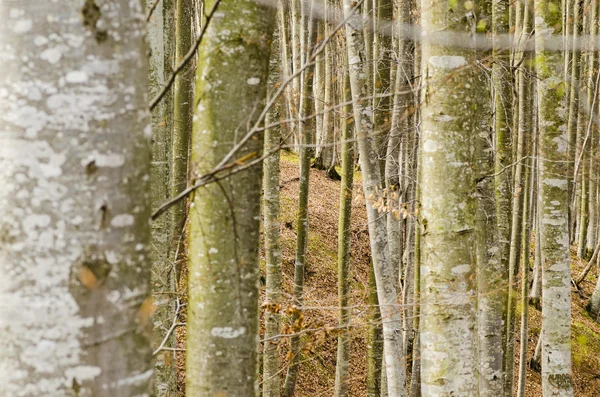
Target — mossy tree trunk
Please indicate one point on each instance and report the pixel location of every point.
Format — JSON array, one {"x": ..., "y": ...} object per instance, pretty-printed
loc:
[
  {"x": 222, "y": 342},
  {"x": 451, "y": 121},
  {"x": 556, "y": 275},
  {"x": 490, "y": 269},
  {"x": 343, "y": 259},
  {"x": 75, "y": 200},
  {"x": 503, "y": 96}
]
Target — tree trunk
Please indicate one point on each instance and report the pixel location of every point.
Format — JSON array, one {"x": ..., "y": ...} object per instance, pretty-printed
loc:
[
  {"x": 160, "y": 39},
  {"x": 224, "y": 216},
  {"x": 451, "y": 121},
  {"x": 372, "y": 186},
  {"x": 271, "y": 224},
  {"x": 490, "y": 283},
  {"x": 556, "y": 274},
  {"x": 324, "y": 159},
  {"x": 74, "y": 207},
  {"x": 182, "y": 128},
  {"x": 343, "y": 259},
  {"x": 374, "y": 341},
  {"x": 503, "y": 95}
]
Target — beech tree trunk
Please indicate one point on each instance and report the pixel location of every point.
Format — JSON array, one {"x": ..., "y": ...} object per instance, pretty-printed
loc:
[
  {"x": 160, "y": 40},
  {"x": 271, "y": 383},
  {"x": 556, "y": 274},
  {"x": 451, "y": 121},
  {"x": 344, "y": 229},
  {"x": 222, "y": 323},
  {"x": 74, "y": 206}
]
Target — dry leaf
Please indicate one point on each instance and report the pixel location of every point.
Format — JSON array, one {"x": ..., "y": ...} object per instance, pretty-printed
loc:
[{"x": 87, "y": 278}]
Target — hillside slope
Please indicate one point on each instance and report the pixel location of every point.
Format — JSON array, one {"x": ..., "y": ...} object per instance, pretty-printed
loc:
[{"x": 317, "y": 373}]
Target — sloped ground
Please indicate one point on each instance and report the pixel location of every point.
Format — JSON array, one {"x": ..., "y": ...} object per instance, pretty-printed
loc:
[{"x": 317, "y": 373}]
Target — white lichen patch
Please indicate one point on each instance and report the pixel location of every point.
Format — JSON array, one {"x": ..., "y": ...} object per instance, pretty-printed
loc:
[
  {"x": 430, "y": 146},
  {"x": 83, "y": 373},
  {"x": 122, "y": 220},
  {"x": 447, "y": 61},
  {"x": 23, "y": 26},
  {"x": 227, "y": 332},
  {"x": 559, "y": 183},
  {"x": 51, "y": 55},
  {"x": 461, "y": 269},
  {"x": 253, "y": 81},
  {"x": 110, "y": 160},
  {"x": 76, "y": 76}
]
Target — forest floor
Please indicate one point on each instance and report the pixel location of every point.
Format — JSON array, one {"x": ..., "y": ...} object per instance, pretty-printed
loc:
[{"x": 317, "y": 371}]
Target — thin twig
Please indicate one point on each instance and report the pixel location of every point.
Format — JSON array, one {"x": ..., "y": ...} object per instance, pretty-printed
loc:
[
  {"x": 149, "y": 17},
  {"x": 170, "y": 331}
]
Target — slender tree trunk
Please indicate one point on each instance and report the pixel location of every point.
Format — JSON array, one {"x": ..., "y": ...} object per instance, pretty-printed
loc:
[
  {"x": 583, "y": 209},
  {"x": 372, "y": 186},
  {"x": 556, "y": 275},
  {"x": 74, "y": 207},
  {"x": 591, "y": 128},
  {"x": 528, "y": 205},
  {"x": 535, "y": 295},
  {"x": 415, "y": 376},
  {"x": 318, "y": 88},
  {"x": 160, "y": 39},
  {"x": 374, "y": 341},
  {"x": 222, "y": 343},
  {"x": 525, "y": 103},
  {"x": 325, "y": 159},
  {"x": 573, "y": 59},
  {"x": 305, "y": 130},
  {"x": 503, "y": 94},
  {"x": 182, "y": 129},
  {"x": 490, "y": 284},
  {"x": 271, "y": 224},
  {"x": 527, "y": 125},
  {"x": 343, "y": 260}
]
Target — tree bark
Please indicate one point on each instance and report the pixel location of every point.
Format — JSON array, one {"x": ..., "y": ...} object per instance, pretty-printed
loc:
[
  {"x": 343, "y": 259},
  {"x": 451, "y": 121},
  {"x": 556, "y": 274},
  {"x": 272, "y": 224},
  {"x": 164, "y": 289},
  {"x": 222, "y": 342},
  {"x": 74, "y": 161},
  {"x": 183, "y": 99}
]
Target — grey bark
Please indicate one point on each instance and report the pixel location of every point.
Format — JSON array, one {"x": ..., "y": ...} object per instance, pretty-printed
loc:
[
  {"x": 160, "y": 39},
  {"x": 222, "y": 322},
  {"x": 556, "y": 275},
  {"x": 372, "y": 185},
  {"x": 343, "y": 260},
  {"x": 272, "y": 224},
  {"x": 74, "y": 206},
  {"x": 451, "y": 121}
]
